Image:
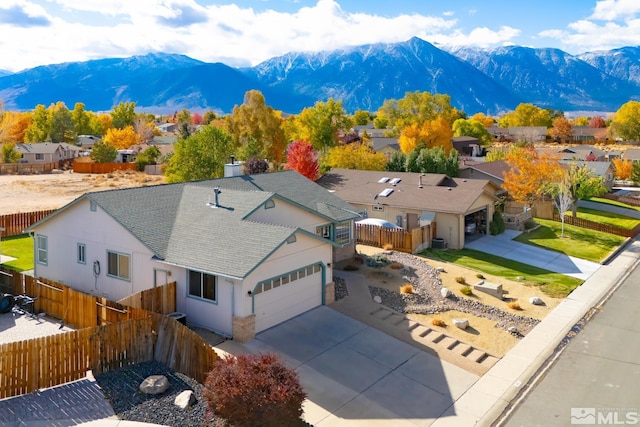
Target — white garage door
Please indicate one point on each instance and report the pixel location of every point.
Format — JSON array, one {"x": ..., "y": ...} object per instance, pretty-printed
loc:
[{"x": 286, "y": 296}]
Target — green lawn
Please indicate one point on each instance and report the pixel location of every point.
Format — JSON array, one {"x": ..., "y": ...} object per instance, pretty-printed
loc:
[
  {"x": 578, "y": 242},
  {"x": 612, "y": 202},
  {"x": 21, "y": 248},
  {"x": 609, "y": 218},
  {"x": 553, "y": 284}
]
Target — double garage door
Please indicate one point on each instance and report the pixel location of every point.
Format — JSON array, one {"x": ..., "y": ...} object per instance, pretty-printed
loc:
[{"x": 287, "y": 296}]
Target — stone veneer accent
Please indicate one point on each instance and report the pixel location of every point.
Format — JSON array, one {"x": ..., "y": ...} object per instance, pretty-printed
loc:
[
  {"x": 244, "y": 328},
  {"x": 329, "y": 293}
]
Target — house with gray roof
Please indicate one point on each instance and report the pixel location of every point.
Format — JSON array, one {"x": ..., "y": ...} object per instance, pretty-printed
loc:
[
  {"x": 47, "y": 152},
  {"x": 410, "y": 199},
  {"x": 246, "y": 251}
]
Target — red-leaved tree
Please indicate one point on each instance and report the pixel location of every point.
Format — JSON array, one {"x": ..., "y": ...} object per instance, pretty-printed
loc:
[{"x": 302, "y": 158}]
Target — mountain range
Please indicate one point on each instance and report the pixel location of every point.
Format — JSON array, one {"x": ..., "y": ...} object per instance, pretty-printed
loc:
[{"x": 362, "y": 77}]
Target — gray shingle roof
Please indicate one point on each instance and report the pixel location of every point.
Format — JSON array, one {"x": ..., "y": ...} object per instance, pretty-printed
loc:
[{"x": 179, "y": 225}]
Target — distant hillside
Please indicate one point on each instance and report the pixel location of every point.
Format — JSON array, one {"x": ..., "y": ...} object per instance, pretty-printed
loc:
[{"x": 490, "y": 81}]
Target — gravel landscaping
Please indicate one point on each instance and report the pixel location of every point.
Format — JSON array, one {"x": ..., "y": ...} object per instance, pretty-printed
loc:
[{"x": 428, "y": 300}]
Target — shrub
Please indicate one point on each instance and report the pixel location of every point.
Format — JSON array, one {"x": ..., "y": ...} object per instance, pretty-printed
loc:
[
  {"x": 350, "y": 267},
  {"x": 466, "y": 290},
  {"x": 387, "y": 246},
  {"x": 396, "y": 266},
  {"x": 461, "y": 280},
  {"x": 407, "y": 289},
  {"x": 497, "y": 224},
  {"x": 377, "y": 261},
  {"x": 480, "y": 276},
  {"x": 514, "y": 305},
  {"x": 438, "y": 322},
  {"x": 251, "y": 390}
]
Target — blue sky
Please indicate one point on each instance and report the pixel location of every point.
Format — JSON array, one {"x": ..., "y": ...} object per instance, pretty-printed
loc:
[{"x": 246, "y": 32}]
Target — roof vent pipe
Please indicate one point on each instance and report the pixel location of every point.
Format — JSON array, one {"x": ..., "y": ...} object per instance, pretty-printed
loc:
[
  {"x": 216, "y": 191},
  {"x": 420, "y": 181},
  {"x": 233, "y": 159}
]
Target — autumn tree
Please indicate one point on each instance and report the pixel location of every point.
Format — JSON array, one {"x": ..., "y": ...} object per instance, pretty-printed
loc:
[
  {"x": 487, "y": 121},
  {"x": 121, "y": 139},
  {"x": 13, "y": 126},
  {"x": 149, "y": 156},
  {"x": 61, "y": 128},
  {"x": 626, "y": 123},
  {"x": 597, "y": 123},
  {"x": 635, "y": 173},
  {"x": 254, "y": 124},
  {"x": 353, "y": 156},
  {"x": 362, "y": 118},
  {"x": 145, "y": 130},
  {"x": 526, "y": 115},
  {"x": 582, "y": 183},
  {"x": 397, "y": 162},
  {"x": 255, "y": 165},
  {"x": 208, "y": 117},
  {"x": 433, "y": 160},
  {"x": 196, "y": 118},
  {"x": 623, "y": 167},
  {"x": 495, "y": 155},
  {"x": 529, "y": 172},
  {"x": 472, "y": 128},
  {"x": 417, "y": 108},
  {"x": 81, "y": 120},
  {"x": 100, "y": 123},
  {"x": 579, "y": 121},
  {"x": 431, "y": 133},
  {"x": 9, "y": 153},
  {"x": 321, "y": 124},
  {"x": 123, "y": 115},
  {"x": 200, "y": 156},
  {"x": 562, "y": 130},
  {"x": 303, "y": 158},
  {"x": 562, "y": 200},
  {"x": 38, "y": 130}
]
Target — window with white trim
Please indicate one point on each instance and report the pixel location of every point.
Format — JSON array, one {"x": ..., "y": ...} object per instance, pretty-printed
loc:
[
  {"x": 287, "y": 278},
  {"x": 82, "y": 253},
  {"x": 118, "y": 265},
  {"x": 39, "y": 156},
  {"x": 42, "y": 252},
  {"x": 202, "y": 285},
  {"x": 343, "y": 232}
]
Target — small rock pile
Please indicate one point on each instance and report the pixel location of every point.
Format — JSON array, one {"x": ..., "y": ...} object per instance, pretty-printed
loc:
[{"x": 428, "y": 298}]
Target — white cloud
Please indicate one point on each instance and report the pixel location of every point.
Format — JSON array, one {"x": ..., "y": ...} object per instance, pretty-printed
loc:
[
  {"x": 612, "y": 10},
  {"x": 480, "y": 37}
]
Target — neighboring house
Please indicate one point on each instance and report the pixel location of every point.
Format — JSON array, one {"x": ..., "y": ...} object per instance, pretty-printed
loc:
[
  {"x": 491, "y": 171},
  {"x": 604, "y": 170},
  {"x": 410, "y": 199},
  {"x": 519, "y": 133},
  {"x": 386, "y": 146},
  {"x": 47, "y": 152},
  {"x": 247, "y": 252},
  {"x": 576, "y": 152},
  {"x": 86, "y": 142},
  {"x": 586, "y": 133},
  {"x": 167, "y": 127},
  {"x": 467, "y": 146},
  {"x": 632, "y": 154},
  {"x": 370, "y": 130}
]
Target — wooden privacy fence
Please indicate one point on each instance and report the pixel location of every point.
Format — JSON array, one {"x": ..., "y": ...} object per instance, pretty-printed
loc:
[
  {"x": 631, "y": 201},
  {"x": 15, "y": 224},
  {"x": 10, "y": 281},
  {"x": 398, "y": 239},
  {"x": 161, "y": 299},
  {"x": 28, "y": 168},
  {"x": 579, "y": 222},
  {"x": 86, "y": 167},
  {"x": 127, "y": 336}
]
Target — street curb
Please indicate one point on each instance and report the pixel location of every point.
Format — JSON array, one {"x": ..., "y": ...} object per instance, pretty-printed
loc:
[{"x": 508, "y": 378}]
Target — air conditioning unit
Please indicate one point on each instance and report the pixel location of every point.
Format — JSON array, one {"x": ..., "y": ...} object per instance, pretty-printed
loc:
[{"x": 438, "y": 243}]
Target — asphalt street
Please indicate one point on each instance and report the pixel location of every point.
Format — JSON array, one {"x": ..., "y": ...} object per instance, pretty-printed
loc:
[{"x": 596, "y": 378}]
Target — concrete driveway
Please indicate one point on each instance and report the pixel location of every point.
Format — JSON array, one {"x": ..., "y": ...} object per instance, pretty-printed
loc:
[
  {"x": 504, "y": 246},
  {"x": 356, "y": 375}
]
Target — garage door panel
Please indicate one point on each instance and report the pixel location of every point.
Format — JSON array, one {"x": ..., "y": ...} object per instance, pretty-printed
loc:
[{"x": 286, "y": 301}]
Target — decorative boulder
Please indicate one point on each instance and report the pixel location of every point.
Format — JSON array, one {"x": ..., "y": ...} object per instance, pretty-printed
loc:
[
  {"x": 440, "y": 269},
  {"x": 377, "y": 299},
  {"x": 185, "y": 399},
  {"x": 536, "y": 301},
  {"x": 446, "y": 293},
  {"x": 513, "y": 330},
  {"x": 155, "y": 384},
  {"x": 461, "y": 323}
]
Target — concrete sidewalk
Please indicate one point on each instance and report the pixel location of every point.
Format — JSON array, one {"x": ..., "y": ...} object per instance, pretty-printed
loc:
[
  {"x": 504, "y": 246},
  {"x": 489, "y": 396},
  {"x": 609, "y": 208}
]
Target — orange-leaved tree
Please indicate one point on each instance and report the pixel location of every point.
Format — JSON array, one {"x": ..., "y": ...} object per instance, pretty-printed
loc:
[
  {"x": 624, "y": 167},
  {"x": 302, "y": 158},
  {"x": 529, "y": 174},
  {"x": 431, "y": 133}
]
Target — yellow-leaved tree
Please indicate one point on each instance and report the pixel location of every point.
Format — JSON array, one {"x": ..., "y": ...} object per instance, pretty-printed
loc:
[
  {"x": 529, "y": 174},
  {"x": 624, "y": 167},
  {"x": 431, "y": 133},
  {"x": 353, "y": 156},
  {"x": 121, "y": 139}
]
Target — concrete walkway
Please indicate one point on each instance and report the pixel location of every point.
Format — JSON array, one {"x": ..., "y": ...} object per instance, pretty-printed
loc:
[
  {"x": 609, "y": 208},
  {"x": 504, "y": 246}
]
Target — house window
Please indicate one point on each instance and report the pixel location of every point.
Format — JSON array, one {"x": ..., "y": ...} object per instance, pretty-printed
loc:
[
  {"x": 285, "y": 279},
  {"x": 378, "y": 207},
  {"x": 324, "y": 231},
  {"x": 269, "y": 204},
  {"x": 343, "y": 232},
  {"x": 39, "y": 156},
  {"x": 41, "y": 249},
  {"x": 82, "y": 253},
  {"x": 118, "y": 265},
  {"x": 202, "y": 285}
]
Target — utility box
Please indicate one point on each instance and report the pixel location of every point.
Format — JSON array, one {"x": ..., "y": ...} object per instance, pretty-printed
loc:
[{"x": 180, "y": 317}]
